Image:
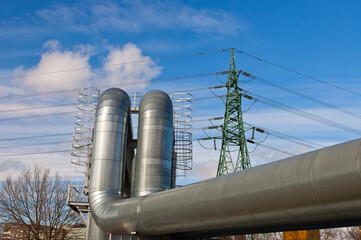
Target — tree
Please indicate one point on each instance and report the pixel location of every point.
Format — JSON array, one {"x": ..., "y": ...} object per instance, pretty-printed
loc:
[
  {"x": 330, "y": 234},
  {"x": 37, "y": 202},
  {"x": 275, "y": 236},
  {"x": 351, "y": 233}
]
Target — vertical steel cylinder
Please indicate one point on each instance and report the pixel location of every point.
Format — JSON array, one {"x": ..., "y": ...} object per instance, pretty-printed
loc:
[
  {"x": 93, "y": 231},
  {"x": 109, "y": 152},
  {"x": 154, "y": 149}
]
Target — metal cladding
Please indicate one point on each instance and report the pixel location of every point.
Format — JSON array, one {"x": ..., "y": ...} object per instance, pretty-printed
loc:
[
  {"x": 93, "y": 231},
  {"x": 313, "y": 190},
  {"x": 154, "y": 150},
  {"x": 108, "y": 160}
]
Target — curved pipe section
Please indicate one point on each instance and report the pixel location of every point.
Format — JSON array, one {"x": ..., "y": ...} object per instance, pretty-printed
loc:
[
  {"x": 108, "y": 160},
  {"x": 316, "y": 189},
  {"x": 154, "y": 150},
  {"x": 93, "y": 231}
]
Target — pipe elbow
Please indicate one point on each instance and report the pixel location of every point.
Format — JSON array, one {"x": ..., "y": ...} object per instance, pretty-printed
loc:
[{"x": 107, "y": 165}]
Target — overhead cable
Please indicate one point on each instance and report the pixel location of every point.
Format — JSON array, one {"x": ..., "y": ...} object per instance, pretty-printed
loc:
[
  {"x": 299, "y": 73},
  {"x": 34, "y": 137},
  {"x": 112, "y": 65},
  {"x": 301, "y": 95},
  {"x": 248, "y": 140},
  {"x": 37, "y": 116},
  {"x": 36, "y": 108},
  {"x": 299, "y": 112},
  {"x": 74, "y": 104},
  {"x": 286, "y": 137},
  {"x": 33, "y": 153},
  {"x": 35, "y": 94},
  {"x": 272, "y": 148},
  {"x": 35, "y": 144}
]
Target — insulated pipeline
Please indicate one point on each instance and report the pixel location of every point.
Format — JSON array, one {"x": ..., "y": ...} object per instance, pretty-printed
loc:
[
  {"x": 108, "y": 159},
  {"x": 318, "y": 189},
  {"x": 314, "y": 190},
  {"x": 154, "y": 151}
]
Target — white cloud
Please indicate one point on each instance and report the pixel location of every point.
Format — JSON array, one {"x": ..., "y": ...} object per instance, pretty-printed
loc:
[
  {"x": 67, "y": 69},
  {"x": 137, "y": 16},
  {"x": 57, "y": 162},
  {"x": 171, "y": 15},
  {"x": 52, "y": 45},
  {"x": 205, "y": 170},
  {"x": 8, "y": 164},
  {"x": 56, "y": 70},
  {"x": 137, "y": 68},
  {"x": 58, "y": 61}
]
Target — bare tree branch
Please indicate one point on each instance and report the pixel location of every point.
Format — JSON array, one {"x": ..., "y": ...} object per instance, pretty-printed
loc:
[{"x": 37, "y": 202}]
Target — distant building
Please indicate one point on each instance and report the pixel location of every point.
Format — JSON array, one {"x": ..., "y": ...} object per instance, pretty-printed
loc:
[
  {"x": 13, "y": 231},
  {"x": 76, "y": 232}
]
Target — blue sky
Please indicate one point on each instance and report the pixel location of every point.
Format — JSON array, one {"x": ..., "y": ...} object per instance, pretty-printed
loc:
[{"x": 318, "y": 38}]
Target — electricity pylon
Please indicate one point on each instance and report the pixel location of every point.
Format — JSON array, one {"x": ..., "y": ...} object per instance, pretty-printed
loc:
[{"x": 233, "y": 131}]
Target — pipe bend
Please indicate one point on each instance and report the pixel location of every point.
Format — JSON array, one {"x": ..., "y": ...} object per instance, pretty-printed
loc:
[
  {"x": 108, "y": 160},
  {"x": 315, "y": 189}
]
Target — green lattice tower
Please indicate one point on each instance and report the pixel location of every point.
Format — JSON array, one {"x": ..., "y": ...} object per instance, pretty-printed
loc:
[{"x": 233, "y": 131}]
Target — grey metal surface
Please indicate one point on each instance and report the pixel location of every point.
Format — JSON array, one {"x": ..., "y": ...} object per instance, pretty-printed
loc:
[
  {"x": 153, "y": 164},
  {"x": 93, "y": 231},
  {"x": 316, "y": 189},
  {"x": 108, "y": 160}
]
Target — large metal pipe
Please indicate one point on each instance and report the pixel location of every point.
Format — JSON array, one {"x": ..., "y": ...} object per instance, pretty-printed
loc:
[
  {"x": 108, "y": 160},
  {"x": 316, "y": 189},
  {"x": 93, "y": 231},
  {"x": 153, "y": 165}
]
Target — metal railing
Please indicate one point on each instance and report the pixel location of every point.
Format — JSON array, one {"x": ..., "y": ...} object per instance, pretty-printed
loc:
[{"x": 183, "y": 117}]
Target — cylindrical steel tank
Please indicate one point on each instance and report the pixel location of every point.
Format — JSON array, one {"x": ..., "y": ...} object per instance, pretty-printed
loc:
[
  {"x": 109, "y": 150},
  {"x": 154, "y": 149}
]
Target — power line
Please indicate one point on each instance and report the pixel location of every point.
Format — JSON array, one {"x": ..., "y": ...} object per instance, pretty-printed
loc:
[
  {"x": 300, "y": 94},
  {"x": 36, "y": 108},
  {"x": 293, "y": 110},
  {"x": 34, "y": 137},
  {"x": 299, "y": 112},
  {"x": 279, "y": 135},
  {"x": 37, "y": 116},
  {"x": 248, "y": 140},
  {"x": 35, "y": 144},
  {"x": 272, "y": 148},
  {"x": 45, "y": 115},
  {"x": 32, "y": 153},
  {"x": 207, "y": 119},
  {"x": 200, "y": 89},
  {"x": 113, "y": 85},
  {"x": 259, "y": 98},
  {"x": 112, "y": 65},
  {"x": 299, "y": 73},
  {"x": 209, "y": 97},
  {"x": 286, "y": 137},
  {"x": 74, "y": 104}
]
